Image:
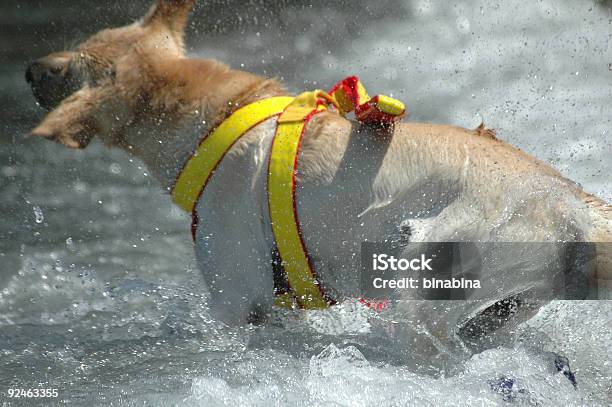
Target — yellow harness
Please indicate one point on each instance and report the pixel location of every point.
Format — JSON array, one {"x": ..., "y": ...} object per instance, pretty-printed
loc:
[{"x": 293, "y": 115}]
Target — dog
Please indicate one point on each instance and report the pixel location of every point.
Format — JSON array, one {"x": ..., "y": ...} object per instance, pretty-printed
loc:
[{"x": 135, "y": 89}]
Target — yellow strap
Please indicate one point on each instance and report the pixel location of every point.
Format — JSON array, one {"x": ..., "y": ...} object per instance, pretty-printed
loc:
[
  {"x": 211, "y": 150},
  {"x": 285, "y": 300},
  {"x": 390, "y": 106},
  {"x": 304, "y": 104},
  {"x": 281, "y": 198}
]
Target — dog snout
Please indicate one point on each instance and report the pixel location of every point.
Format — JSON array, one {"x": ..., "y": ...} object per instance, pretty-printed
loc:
[{"x": 51, "y": 80}]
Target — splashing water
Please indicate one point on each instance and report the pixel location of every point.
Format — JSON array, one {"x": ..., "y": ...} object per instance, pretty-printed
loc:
[{"x": 105, "y": 301}]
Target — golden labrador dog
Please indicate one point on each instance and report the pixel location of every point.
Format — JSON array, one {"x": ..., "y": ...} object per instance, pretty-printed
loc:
[{"x": 135, "y": 88}]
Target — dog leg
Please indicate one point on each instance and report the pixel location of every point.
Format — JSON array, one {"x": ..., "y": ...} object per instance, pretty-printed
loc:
[
  {"x": 238, "y": 277},
  {"x": 231, "y": 249}
]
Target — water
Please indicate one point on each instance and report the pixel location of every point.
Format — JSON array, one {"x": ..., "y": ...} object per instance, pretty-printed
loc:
[{"x": 99, "y": 293}]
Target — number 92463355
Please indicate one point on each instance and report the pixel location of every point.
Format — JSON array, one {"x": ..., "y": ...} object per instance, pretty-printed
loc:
[{"x": 32, "y": 393}]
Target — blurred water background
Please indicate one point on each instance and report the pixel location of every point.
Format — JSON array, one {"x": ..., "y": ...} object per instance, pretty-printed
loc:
[{"x": 99, "y": 294}]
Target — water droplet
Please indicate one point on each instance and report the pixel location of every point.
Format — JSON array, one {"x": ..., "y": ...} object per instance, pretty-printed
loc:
[
  {"x": 115, "y": 168},
  {"x": 39, "y": 217},
  {"x": 463, "y": 24}
]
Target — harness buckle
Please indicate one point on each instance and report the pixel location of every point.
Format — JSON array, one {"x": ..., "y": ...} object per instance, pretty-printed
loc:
[{"x": 350, "y": 95}]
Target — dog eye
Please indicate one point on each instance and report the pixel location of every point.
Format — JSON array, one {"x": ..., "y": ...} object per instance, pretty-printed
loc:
[{"x": 112, "y": 73}]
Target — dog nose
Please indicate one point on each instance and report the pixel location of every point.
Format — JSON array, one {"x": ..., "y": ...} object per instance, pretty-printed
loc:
[{"x": 36, "y": 71}]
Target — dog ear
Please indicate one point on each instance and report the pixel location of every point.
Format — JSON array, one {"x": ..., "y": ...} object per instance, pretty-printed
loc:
[
  {"x": 73, "y": 122},
  {"x": 173, "y": 14}
]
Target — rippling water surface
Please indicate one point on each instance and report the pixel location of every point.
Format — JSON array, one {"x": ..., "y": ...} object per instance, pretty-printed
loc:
[{"x": 99, "y": 294}]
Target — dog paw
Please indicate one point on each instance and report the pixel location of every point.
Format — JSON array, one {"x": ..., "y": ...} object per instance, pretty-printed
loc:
[
  {"x": 563, "y": 366},
  {"x": 508, "y": 387},
  {"x": 258, "y": 314}
]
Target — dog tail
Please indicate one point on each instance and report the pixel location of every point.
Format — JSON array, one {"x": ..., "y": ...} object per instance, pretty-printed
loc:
[{"x": 601, "y": 235}]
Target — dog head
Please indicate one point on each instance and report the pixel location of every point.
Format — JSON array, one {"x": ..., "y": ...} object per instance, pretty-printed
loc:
[{"x": 92, "y": 89}]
